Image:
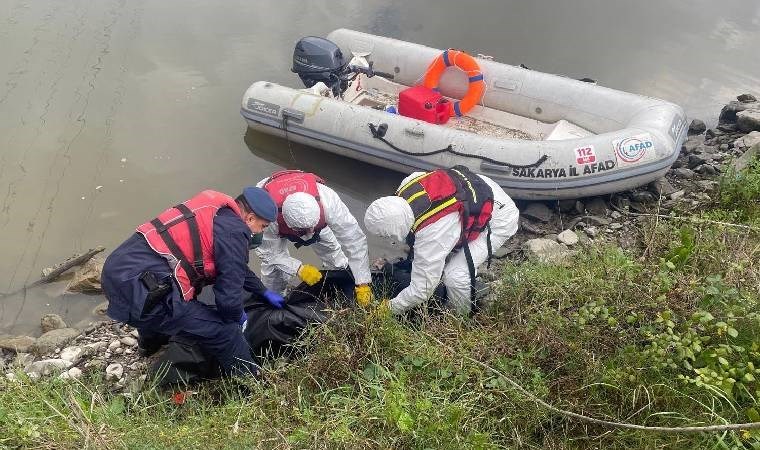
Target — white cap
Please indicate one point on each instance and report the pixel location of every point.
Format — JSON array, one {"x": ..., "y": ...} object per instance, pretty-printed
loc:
[
  {"x": 300, "y": 210},
  {"x": 389, "y": 217}
]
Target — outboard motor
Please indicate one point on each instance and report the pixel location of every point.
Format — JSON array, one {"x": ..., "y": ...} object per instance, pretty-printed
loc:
[{"x": 316, "y": 59}]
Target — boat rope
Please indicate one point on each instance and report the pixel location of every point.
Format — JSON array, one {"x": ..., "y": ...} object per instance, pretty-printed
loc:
[
  {"x": 378, "y": 132},
  {"x": 624, "y": 425}
]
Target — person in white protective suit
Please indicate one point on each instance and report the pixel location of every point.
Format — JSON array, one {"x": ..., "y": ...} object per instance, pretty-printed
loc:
[
  {"x": 436, "y": 213},
  {"x": 311, "y": 214}
]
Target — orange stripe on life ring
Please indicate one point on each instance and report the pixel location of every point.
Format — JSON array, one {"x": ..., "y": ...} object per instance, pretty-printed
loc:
[{"x": 468, "y": 65}]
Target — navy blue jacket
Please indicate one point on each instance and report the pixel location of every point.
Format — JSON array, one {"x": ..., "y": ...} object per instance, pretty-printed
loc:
[{"x": 123, "y": 267}]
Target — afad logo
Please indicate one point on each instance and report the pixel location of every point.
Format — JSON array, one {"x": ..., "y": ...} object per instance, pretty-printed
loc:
[{"x": 634, "y": 148}]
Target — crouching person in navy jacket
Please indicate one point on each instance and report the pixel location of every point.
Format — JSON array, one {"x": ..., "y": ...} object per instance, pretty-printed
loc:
[{"x": 152, "y": 279}]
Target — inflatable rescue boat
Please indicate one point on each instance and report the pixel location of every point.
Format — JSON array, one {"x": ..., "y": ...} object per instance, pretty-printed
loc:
[{"x": 409, "y": 107}]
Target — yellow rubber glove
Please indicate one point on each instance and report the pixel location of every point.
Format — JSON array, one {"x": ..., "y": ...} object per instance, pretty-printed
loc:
[
  {"x": 363, "y": 295},
  {"x": 309, "y": 274}
]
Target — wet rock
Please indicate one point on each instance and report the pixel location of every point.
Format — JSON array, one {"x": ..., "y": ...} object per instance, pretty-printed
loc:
[
  {"x": 728, "y": 127},
  {"x": 742, "y": 162},
  {"x": 54, "y": 339},
  {"x": 526, "y": 225},
  {"x": 95, "y": 364},
  {"x": 72, "y": 354},
  {"x": 585, "y": 220},
  {"x": 707, "y": 151},
  {"x": 697, "y": 127},
  {"x": 684, "y": 173},
  {"x": 748, "y": 140},
  {"x": 728, "y": 113},
  {"x": 695, "y": 161},
  {"x": 596, "y": 220},
  {"x": 568, "y": 237},
  {"x": 101, "y": 309},
  {"x": 545, "y": 250},
  {"x": 129, "y": 341},
  {"x": 691, "y": 144},
  {"x": 114, "y": 372},
  {"x": 749, "y": 120},
  {"x": 51, "y": 322},
  {"x": 18, "y": 344},
  {"x": 706, "y": 169},
  {"x": 94, "y": 348},
  {"x": 597, "y": 207},
  {"x": 47, "y": 366},
  {"x": 706, "y": 185},
  {"x": 643, "y": 197},
  {"x": 746, "y": 98},
  {"x": 537, "y": 211},
  {"x": 87, "y": 277},
  {"x": 661, "y": 187}
]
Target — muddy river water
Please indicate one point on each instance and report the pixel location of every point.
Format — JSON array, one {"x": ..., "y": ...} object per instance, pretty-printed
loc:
[{"x": 112, "y": 110}]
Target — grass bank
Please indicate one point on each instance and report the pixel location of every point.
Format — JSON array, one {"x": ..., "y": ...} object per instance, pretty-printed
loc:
[{"x": 666, "y": 333}]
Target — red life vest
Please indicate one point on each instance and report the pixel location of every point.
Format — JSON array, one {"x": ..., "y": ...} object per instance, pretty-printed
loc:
[
  {"x": 436, "y": 194},
  {"x": 283, "y": 183},
  {"x": 184, "y": 236}
]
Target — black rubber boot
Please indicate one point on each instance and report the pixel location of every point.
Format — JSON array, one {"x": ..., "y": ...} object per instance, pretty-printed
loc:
[{"x": 149, "y": 342}]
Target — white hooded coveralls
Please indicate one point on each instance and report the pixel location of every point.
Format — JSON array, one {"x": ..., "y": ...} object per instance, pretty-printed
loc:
[
  {"x": 433, "y": 245},
  {"x": 342, "y": 234}
]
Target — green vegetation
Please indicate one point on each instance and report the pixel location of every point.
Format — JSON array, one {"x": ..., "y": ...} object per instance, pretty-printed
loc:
[{"x": 664, "y": 334}]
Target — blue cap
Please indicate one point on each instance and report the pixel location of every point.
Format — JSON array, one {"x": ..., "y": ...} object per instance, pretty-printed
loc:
[{"x": 261, "y": 203}]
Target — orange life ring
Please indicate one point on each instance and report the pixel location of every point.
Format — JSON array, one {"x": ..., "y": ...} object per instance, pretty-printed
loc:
[{"x": 468, "y": 65}]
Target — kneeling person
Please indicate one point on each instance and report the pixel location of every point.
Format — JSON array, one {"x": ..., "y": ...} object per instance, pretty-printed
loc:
[
  {"x": 152, "y": 279},
  {"x": 452, "y": 220},
  {"x": 311, "y": 214}
]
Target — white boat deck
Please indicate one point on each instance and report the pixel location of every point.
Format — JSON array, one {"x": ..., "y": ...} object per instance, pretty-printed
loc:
[{"x": 377, "y": 93}]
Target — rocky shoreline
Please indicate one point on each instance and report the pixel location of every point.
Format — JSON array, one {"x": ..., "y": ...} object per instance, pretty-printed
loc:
[{"x": 548, "y": 231}]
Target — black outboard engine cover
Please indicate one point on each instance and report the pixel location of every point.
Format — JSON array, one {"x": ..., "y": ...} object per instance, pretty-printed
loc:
[{"x": 316, "y": 59}]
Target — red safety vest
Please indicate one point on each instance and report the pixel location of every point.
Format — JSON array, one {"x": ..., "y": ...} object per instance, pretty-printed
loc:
[
  {"x": 436, "y": 194},
  {"x": 183, "y": 234},
  {"x": 280, "y": 185}
]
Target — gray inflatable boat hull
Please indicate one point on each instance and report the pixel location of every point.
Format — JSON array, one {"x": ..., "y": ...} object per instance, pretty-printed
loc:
[{"x": 588, "y": 140}]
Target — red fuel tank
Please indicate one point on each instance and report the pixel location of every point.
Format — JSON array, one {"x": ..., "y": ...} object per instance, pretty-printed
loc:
[{"x": 423, "y": 103}]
